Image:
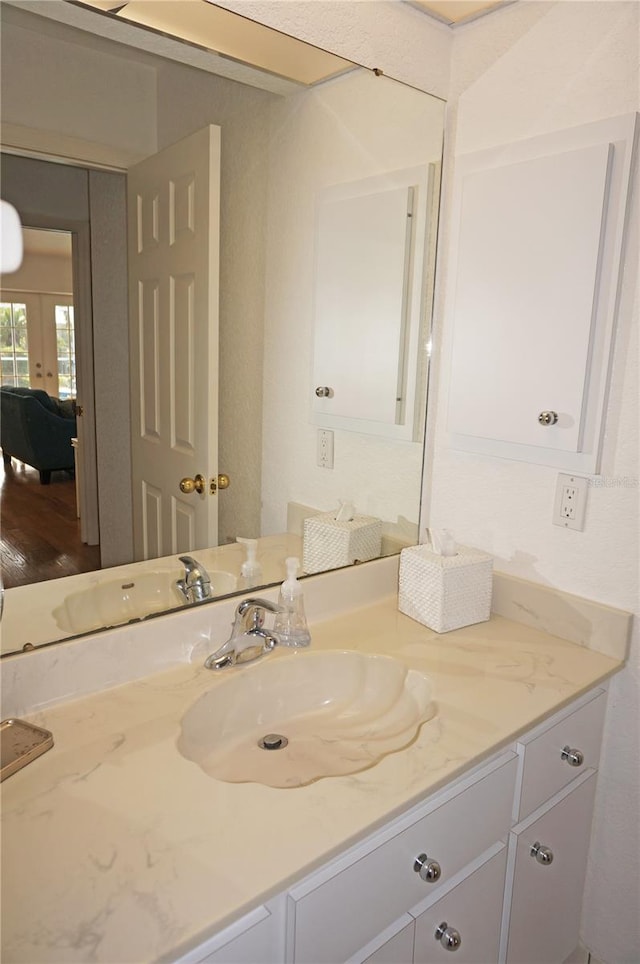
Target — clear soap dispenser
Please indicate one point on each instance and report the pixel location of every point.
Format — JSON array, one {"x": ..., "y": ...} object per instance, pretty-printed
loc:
[
  {"x": 250, "y": 570},
  {"x": 291, "y": 623}
]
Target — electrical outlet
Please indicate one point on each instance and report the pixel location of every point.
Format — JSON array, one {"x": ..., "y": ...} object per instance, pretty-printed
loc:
[
  {"x": 325, "y": 448},
  {"x": 571, "y": 501}
]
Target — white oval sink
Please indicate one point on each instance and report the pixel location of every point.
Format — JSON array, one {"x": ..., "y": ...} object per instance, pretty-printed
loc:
[
  {"x": 117, "y": 601},
  {"x": 340, "y": 712}
]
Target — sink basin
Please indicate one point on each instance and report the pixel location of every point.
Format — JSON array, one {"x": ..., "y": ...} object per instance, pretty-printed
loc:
[
  {"x": 339, "y": 712},
  {"x": 117, "y": 601}
]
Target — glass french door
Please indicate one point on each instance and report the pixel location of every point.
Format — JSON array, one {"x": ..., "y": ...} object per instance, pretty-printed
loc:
[{"x": 37, "y": 342}]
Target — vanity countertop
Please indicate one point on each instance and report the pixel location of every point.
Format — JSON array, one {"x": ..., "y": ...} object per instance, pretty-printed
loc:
[{"x": 115, "y": 848}]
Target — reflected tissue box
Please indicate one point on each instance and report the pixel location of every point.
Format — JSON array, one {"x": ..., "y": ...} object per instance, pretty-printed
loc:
[
  {"x": 329, "y": 543},
  {"x": 445, "y": 592}
]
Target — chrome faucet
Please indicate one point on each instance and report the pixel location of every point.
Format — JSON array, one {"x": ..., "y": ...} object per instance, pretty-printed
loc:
[
  {"x": 248, "y": 640},
  {"x": 196, "y": 584}
]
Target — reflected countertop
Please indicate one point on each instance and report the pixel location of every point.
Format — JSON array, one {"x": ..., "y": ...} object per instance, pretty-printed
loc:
[{"x": 116, "y": 848}]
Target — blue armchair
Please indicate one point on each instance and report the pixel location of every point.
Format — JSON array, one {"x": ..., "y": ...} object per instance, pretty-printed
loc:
[{"x": 37, "y": 429}]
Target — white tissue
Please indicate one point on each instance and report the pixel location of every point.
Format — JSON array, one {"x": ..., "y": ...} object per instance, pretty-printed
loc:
[
  {"x": 346, "y": 512},
  {"x": 443, "y": 542}
]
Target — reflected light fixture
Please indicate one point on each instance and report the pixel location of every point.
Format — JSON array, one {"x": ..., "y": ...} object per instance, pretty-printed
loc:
[{"x": 203, "y": 24}]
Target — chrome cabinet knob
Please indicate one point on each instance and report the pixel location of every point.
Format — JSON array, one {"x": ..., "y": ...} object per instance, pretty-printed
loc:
[
  {"x": 548, "y": 418},
  {"x": 323, "y": 391},
  {"x": 449, "y": 937},
  {"x": 427, "y": 869},
  {"x": 575, "y": 758},
  {"x": 542, "y": 854}
]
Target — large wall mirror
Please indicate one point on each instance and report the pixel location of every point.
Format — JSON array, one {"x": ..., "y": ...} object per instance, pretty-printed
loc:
[{"x": 328, "y": 186}]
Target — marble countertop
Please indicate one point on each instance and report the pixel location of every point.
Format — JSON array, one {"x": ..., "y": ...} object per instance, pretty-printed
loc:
[{"x": 116, "y": 848}]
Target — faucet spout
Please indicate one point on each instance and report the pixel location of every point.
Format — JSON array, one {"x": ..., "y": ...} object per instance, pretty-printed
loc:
[
  {"x": 196, "y": 584},
  {"x": 249, "y": 639}
]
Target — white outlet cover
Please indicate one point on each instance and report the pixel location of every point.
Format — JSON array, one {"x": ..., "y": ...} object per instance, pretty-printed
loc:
[{"x": 581, "y": 486}]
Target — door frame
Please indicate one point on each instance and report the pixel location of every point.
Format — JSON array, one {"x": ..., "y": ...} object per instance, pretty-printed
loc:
[
  {"x": 81, "y": 282},
  {"x": 99, "y": 218}
]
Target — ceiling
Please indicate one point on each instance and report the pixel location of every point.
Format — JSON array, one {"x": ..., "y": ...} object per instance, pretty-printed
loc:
[{"x": 458, "y": 11}]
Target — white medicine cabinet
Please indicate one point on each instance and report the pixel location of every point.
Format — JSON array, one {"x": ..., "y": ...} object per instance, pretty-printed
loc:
[
  {"x": 372, "y": 303},
  {"x": 537, "y": 249}
]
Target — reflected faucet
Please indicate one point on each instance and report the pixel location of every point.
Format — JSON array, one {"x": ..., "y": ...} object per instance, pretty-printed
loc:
[
  {"x": 196, "y": 584},
  {"x": 248, "y": 640}
]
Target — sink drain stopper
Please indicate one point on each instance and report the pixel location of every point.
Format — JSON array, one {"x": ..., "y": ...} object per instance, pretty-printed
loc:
[{"x": 273, "y": 741}]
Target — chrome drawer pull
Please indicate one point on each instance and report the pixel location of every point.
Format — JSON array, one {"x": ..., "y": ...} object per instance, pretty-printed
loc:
[
  {"x": 542, "y": 854},
  {"x": 449, "y": 937},
  {"x": 427, "y": 868},
  {"x": 575, "y": 758}
]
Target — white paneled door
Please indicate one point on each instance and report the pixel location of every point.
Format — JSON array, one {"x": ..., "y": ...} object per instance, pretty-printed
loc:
[{"x": 174, "y": 222}]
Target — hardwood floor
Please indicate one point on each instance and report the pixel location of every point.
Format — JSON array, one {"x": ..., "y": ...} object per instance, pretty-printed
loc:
[{"x": 40, "y": 533}]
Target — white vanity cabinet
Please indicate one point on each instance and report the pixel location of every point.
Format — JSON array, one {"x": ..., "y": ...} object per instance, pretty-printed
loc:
[
  {"x": 490, "y": 868},
  {"x": 339, "y": 909},
  {"x": 548, "y": 847}
]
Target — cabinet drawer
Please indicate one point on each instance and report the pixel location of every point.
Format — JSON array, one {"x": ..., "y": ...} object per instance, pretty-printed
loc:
[
  {"x": 545, "y": 771},
  {"x": 546, "y": 897},
  {"x": 473, "y": 910},
  {"x": 335, "y": 912}
]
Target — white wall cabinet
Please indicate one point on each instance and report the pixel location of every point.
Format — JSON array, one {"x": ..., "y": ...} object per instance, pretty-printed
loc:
[
  {"x": 488, "y": 891},
  {"x": 540, "y": 231}
]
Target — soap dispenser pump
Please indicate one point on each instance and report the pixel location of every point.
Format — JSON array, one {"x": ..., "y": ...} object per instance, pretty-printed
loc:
[
  {"x": 291, "y": 623},
  {"x": 250, "y": 570}
]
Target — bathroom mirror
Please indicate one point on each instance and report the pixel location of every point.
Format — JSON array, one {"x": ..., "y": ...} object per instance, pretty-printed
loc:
[{"x": 283, "y": 147}]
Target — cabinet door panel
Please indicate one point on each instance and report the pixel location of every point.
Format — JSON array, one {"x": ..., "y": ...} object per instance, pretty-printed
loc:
[
  {"x": 474, "y": 910},
  {"x": 397, "y": 950},
  {"x": 546, "y": 900}
]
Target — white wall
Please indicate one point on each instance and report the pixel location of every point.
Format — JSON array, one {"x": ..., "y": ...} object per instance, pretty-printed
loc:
[
  {"x": 354, "y": 127},
  {"x": 530, "y": 69},
  {"x": 41, "y": 272}
]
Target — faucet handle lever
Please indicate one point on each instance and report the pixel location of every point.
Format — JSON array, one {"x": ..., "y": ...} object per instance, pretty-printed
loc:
[{"x": 251, "y": 612}]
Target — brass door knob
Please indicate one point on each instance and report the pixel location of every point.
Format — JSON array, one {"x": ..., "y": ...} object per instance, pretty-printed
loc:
[
  {"x": 193, "y": 485},
  {"x": 221, "y": 481}
]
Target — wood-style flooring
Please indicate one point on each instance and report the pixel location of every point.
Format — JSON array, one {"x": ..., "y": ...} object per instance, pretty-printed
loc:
[{"x": 40, "y": 532}]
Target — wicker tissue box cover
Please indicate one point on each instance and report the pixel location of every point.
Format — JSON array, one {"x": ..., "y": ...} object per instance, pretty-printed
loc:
[
  {"x": 328, "y": 544},
  {"x": 445, "y": 592}
]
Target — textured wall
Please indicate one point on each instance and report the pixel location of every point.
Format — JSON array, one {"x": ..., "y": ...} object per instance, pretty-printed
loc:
[{"x": 531, "y": 69}]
